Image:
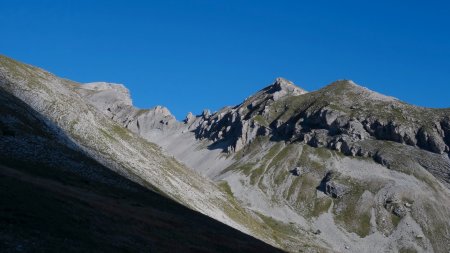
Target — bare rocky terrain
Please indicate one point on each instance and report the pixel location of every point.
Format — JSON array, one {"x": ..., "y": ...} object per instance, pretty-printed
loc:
[{"x": 341, "y": 169}]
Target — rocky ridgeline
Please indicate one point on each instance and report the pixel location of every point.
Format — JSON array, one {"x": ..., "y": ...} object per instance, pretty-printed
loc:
[
  {"x": 230, "y": 125},
  {"x": 341, "y": 116},
  {"x": 327, "y": 118},
  {"x": 337, "y": 116},
  {"x": 114, "y": 100}
]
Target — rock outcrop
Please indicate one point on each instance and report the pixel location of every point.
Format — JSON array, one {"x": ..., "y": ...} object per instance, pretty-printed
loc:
[{"x": 240, "y": 125}]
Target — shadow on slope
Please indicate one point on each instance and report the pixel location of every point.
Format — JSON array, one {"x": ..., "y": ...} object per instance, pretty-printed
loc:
[{"x": 55, "y": 198}]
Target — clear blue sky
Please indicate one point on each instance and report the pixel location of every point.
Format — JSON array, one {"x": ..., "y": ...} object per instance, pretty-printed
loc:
[{"x": 190, "y": 55}]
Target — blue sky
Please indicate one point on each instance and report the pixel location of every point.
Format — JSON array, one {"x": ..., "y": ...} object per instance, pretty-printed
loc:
[{"x": 190, "y": 55}]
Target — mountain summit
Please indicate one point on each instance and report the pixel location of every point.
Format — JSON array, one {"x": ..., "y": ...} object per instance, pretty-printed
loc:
[{"x": 282, "y": 87}]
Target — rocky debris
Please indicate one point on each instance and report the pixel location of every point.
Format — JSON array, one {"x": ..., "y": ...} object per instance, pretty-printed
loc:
[
  {"x": 297, "y": 171},
  {"x": 400, "y": 211},
  {"x": 394, "y": 205},
  {"x": 336, "y": 190},
  {"x": 331, "y": 175},
  {"x": 331, "y": 186}
]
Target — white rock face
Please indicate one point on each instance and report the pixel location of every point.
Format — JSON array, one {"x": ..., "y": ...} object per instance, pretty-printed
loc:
[
  {"x": 284, "y": 87},
  {"x": 111, "y": 92}
]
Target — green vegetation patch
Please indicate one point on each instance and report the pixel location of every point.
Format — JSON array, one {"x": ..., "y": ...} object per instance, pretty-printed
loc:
[
  {"x": 121, "y": 131},
  {"x": 306, "y": 160},
  {"x": 307, "y": 190},
  {"x": 252, "y": 148},
  {"x": 395, "y": 220},
  {"x": 407, "y": 250},
  {"x": 226, "y": 188},
  {"x": 321, "y": 205},
  {"x": 261, "y": 120},
  {"x": 279, "y": 229},
  {"x": 281, "y": 156},
  {"x": 349, "y": 216}
]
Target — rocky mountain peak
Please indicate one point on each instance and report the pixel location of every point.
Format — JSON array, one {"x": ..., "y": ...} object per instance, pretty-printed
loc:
[
  {"x": 344, "y": 82},
  {"x": 111, "y": 87},
  {"x": 352, "y": 90},
  {"x": 283, "y": 83},
  {"x": 163, "y": 111},
  {"x": 189, "y": 118},
  {"x": 206, "y": 113},
  {"x": 282, "y": 87}
]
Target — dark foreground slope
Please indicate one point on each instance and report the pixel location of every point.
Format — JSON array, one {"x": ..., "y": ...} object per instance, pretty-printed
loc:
[
  {"x": 41, "y": 214},
  {"x": 55, "y": 198}
]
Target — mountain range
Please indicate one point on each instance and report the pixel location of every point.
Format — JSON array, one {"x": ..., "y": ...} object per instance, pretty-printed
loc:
[{"x": 340, "y": 169}]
